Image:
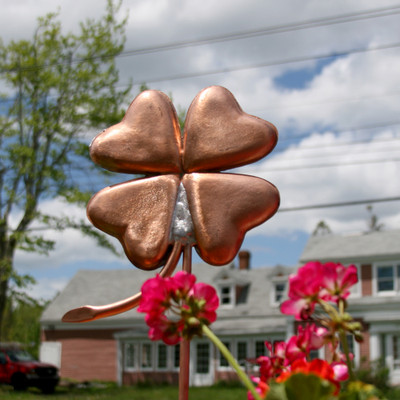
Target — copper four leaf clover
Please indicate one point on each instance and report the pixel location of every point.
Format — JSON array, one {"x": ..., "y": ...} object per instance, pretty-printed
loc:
[{"x": 217, "y": 136}]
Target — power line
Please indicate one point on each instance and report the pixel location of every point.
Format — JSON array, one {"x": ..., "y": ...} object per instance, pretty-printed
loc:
[
  {"x": 264, "y": 170},
  {"x": 287, "y": 209},
  {"x": 282, "y": 28},
  {"x": 377, "y": 125},
  {"x": 318, "y": 102},
  {"x": 318, "y": 166},
  {"x": 268, "y": 63},
  {"x": 375, "y": 152},
  {"x": 331, "y": 145},
  {"x": 339, "y": 204},
  {"x": 259, "y": 65}
]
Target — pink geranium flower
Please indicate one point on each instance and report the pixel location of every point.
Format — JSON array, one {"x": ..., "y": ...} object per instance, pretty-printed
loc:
[
  {"x": 207, "y": 301},
  {"x": 337, "y": 280},
  {"x": 156, "y": 295},
  {"x": 308, "y": 338},
  {"x": 304, "y": 288},
  {"x": 275, "y": 363},
  {"x": 341, "y": 371},
  {"x": 181, "y": 283},
  {"x": 161, "y": 328},
  {"x": 177, "y": 307},
  {"x": 262, "y": 389},
  {"x": 315, "y": 281}
]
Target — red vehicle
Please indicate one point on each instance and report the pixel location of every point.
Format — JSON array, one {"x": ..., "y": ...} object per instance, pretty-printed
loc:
[{"x": 19, "y": 369}]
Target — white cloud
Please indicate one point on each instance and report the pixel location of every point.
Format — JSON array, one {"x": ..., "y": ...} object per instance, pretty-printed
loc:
[
  {"x": 48, "y": 288},
  {"x": 71, "y": 245},
  {"x": 351, "y": 91},
  {"x": 320, "y": 185}
]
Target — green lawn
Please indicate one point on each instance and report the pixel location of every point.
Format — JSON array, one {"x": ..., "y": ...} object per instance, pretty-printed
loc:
[
  {"x": 126, "y": 393},
  {"x": 138, "y": 393}
]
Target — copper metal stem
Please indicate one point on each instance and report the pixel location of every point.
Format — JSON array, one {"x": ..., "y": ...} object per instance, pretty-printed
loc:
[
  {"x": 185, "y": 344},
  {"x": 91, "y": 313}
]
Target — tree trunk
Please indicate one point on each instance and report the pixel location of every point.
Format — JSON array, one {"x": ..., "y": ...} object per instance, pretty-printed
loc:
[
  {"x": 6, "y": 268},
  {"x": 4, "y": 282}
]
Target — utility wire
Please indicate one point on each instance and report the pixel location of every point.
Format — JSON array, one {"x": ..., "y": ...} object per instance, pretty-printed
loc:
[
  {"x": 282, "y": 28},
  {"x": 340, "y": 204},
  {"x": 336, "y": 164},
  {"x": 318, "y": 102},
  {"x": 324, "y": 155},
  {"x": 265, "y": 169},
  {"x": 331, "y": 145},
  {"x": 257, "y": 65},
  {"x": 292, "y": 60},
  {"x": 286, "y": 209},
  {"x": 376, "y": 125}
]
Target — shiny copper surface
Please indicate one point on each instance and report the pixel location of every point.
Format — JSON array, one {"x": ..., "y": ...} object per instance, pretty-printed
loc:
[
  {"x": 219, "y": 135},
  {"x": 139, "y": 214},
  {"x": 147, "y": 140},
  {"x": 224, "y": 207}
]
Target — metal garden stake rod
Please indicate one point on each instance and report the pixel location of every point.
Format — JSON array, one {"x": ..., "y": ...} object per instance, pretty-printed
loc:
[{"x": 184, "y": 200}]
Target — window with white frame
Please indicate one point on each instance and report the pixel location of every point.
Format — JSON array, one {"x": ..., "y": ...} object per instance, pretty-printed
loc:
[
  {"x": 202, "y": 358},
  {"x": 355, "y": 290},
  {"x": 130, "y": 355},
  {"x": 162, "y": 356},
  {"x": 177, "y": 354},
  {"x": 226, "y": 295},
  {"x": 223, "y": 362},
  {"x": 146, "y": 356},
  {"x": 350, "y": 344},
  {"x": 241, "y": 352},
  {"x": 259, "y": 348},
  {"x": 396, "y": 352},
  {"x": 279, "y": 291},
  {"x": 385, "y": 278}
]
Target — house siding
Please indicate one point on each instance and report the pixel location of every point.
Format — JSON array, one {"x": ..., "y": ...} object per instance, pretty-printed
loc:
[
  {"x": 366, "y": 279},
  {"x": 81, "y": 350},
  {"x": 365, "y": 350},
  {"x": 132, "y": 378},
  {"x": 88, "y": 354}
]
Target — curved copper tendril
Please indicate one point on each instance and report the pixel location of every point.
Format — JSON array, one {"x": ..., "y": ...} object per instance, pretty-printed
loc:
[{"x": 91, "y": 313}]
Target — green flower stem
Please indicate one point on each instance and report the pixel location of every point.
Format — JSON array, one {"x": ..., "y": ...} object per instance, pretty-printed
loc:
[
  {"x": 226, "y": 353},
  {"x": 329, "y": 309},
  {"x": 343, "y": 339}
]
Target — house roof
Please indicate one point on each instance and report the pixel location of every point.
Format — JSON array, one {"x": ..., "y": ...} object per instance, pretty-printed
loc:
[
  {"x": 369, "y": 247},
  {"x": 98, "y": 287}
]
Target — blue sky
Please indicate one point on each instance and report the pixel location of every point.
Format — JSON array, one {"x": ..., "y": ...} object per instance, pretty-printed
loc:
[{"x": 327, "y": 78}]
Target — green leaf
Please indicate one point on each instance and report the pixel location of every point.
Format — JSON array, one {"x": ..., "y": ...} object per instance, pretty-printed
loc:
[
  {"x": 277, "y": 391},
  {"x": 302, "y": 387},
  {"x": 61, "y": 88}
]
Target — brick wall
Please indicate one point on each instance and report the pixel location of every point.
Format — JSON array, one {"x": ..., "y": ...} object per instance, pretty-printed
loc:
[
  {"x": 86, "y": 354},
  {"x": 225, "y": 376},
  {"x": 365, "y": 351},
  {"x": 131, "y": 378},
  {"x": 366, "y": 280}
]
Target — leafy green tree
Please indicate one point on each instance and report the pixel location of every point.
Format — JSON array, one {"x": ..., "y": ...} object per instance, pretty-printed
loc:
[
  {"x": 22, "y": 323},
  {"x": 58, "y": 86}
]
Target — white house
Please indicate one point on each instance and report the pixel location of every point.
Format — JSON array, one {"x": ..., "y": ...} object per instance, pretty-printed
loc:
[{"x": 118, "y": 349}]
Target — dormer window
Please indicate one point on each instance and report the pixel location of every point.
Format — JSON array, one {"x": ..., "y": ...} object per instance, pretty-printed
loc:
[
  {"x": 280, "y": 288},
  {"x": 279, "y": 291},
  {"x": 226, "y": 295}
]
